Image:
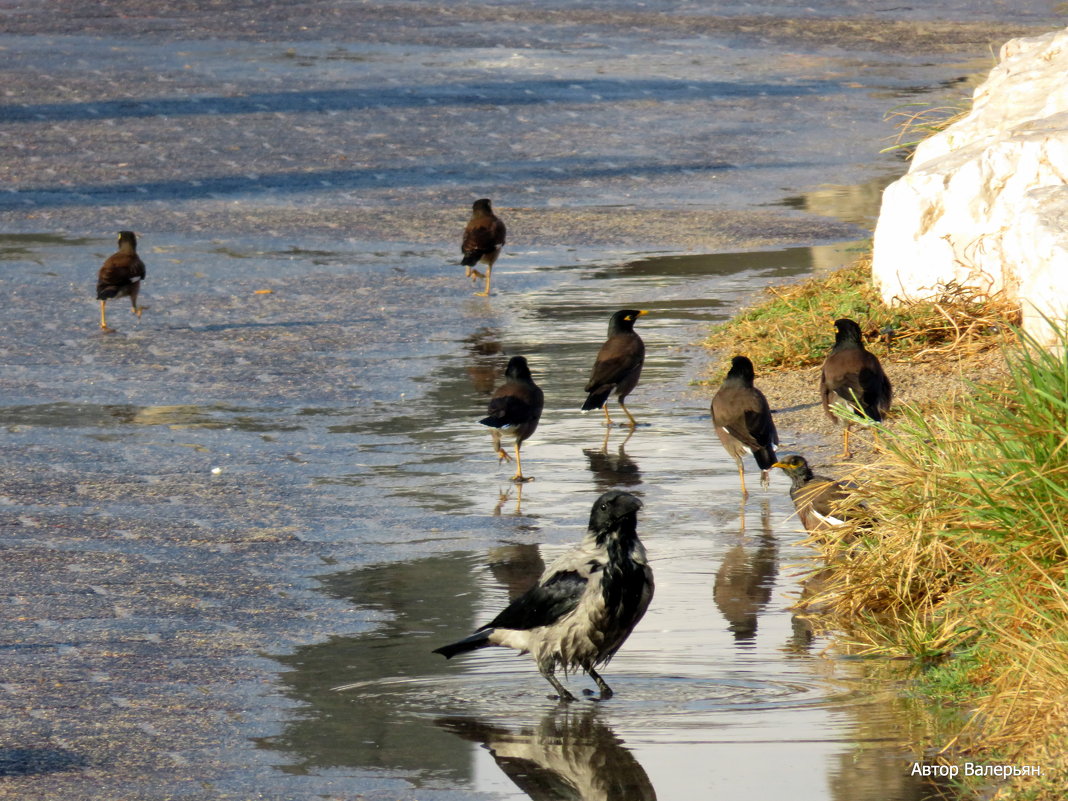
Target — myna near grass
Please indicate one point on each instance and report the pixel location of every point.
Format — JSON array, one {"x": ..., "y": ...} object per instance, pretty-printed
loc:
[
  {"x": 814, "y": 496},
  {"x": 514, "y": 411},
  {"x": 618, "y": 365},
  {"x": 743, "y": 422},
  {"x": 852, "y": 376},
  {"x": 585, "y": 604},
  {"x": 482, "y": 242},
  {"x": 120, "y": 276}
]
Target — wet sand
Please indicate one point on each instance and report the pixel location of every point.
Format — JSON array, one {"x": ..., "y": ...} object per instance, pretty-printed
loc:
[{"x": 220, "y": 514}]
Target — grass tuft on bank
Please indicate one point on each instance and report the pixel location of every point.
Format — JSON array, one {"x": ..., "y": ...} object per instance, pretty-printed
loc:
[
  {"x": 963, "y": 560},
  {"x": 793, "y": 327}
]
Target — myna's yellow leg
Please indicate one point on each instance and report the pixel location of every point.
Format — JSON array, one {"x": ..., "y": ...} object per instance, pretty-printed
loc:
[
  {"x": 485, "y": 292},
  {"x": 765, "y": 480},
  {"x": 133, "y": 300},
  {"x": 518, "y": 478},
  {"x": 502, "y": 455},
  {"x": 607, "y": 419},
  {"x": 474, "y": 274},
  {"x": 845, "y": 443},
  {"x": 630, "y": 417},
  {"x": 103, "y": 316},
  {"x": 741, "y": 477}
]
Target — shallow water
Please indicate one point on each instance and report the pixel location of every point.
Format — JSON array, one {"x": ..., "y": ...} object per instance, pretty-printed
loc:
[{"x": 235, "y": 529}]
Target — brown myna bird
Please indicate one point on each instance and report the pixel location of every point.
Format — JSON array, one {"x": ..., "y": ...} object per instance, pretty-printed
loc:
[
  {"x": 514, "y": 410},
  {"x": 813, "y": 495},
  {"x": 853, "y": 376},
  {"x": 618, "y": 365},
  {"x": 121, "y": 275},
  {"x": 483, "y": 240},
  {"x": 742, "y": 419},
  {"x": 585, "y": 604}
]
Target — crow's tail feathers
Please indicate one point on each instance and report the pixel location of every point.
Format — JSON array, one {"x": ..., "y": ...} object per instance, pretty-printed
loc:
[
  {"x": 595, "y": 400},
  {"x": 480, "y": 639}
]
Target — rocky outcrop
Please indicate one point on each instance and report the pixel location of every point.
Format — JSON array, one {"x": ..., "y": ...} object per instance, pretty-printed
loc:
[{"x": 985, "y": 203}]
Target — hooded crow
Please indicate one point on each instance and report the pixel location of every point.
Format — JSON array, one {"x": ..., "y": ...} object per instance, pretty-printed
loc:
[
  {"x": 853, "y": 376},
  {"x": 585, "y": 604},
  {"x": 482, "y": 242},
  {"x": 814, "y": 496},
  {"x": 514, "y": 410},
  {"x": 742, "y": 419},
  {"x": 121, "y": 275},
  {"x": 618, "y": 365}
]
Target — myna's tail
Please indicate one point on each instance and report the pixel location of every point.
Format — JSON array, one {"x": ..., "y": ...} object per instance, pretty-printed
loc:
[
  {"x": 596, "y": 399},
  {"x": 765, "y": 457}
]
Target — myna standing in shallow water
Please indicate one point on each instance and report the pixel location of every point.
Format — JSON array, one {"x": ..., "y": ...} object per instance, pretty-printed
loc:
[
  {"x": 585, "y": 604},
  {"x": 121, "y": 275},
  {"x": 514, "y": 410},
  {"x": 618, "y": 365},
  {"x": 483, "y": 240},
  {"x": 813, "y": 495},
  {"x": 853, "y": 376},
  {"x": 742, "y": 419}
]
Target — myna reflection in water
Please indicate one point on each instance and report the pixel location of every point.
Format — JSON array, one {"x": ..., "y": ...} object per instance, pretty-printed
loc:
[
  {"x": 815, "y": 497},
  {"x": 482, "y": 242},
  {"x": 742, "y": 419},
  {"x": 514, "y": 411},
  {"x": 618, "y": 365},
  {"x": 853, "y": 376},
  {"x": 120, "y": 276},
  {"x": 585, "y": 604}
]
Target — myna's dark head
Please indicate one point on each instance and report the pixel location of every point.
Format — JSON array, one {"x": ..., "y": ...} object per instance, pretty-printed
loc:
[
  {"x": 742, "y": 368},
  {"x": 518, "y": 369},
  {"x": 623, "y": 320},
  {"x": 612, "y": 508},
  {"x": 128, "y": 238},
  {"x": 795, "y": 465},
  {"x": 847, "y": 331},
  {"x": 481, "y": 207}
]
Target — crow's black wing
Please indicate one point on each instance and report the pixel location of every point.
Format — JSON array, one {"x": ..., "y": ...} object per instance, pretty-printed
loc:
[{"x": 543, "y": 604}]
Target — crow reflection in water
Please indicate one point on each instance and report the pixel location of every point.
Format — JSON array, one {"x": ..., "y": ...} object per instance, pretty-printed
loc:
[{"x": 568, "y": 755}]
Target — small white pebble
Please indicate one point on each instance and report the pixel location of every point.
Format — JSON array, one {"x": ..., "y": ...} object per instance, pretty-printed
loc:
[{"x": 216, "y": 470}]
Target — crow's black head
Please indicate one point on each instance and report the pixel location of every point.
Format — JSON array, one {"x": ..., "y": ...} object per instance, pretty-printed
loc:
[
  {"x": 847, "y": 331},
  {"x": 518, "y": 370},
  {"x": 613, "y": 508},
  {"x": 623, "y": 320},
  {"x": 742, "y": 369}
]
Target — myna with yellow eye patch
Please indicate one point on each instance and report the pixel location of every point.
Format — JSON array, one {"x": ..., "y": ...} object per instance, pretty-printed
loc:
[
  {"x": 618, "y": 365},
  {"x": 814, "y": 496},
  {"x": 514, "y": 410},
  {"x": 482, "y": 242},
  {"x": 742, "y": 419},
  {"x": 121, "y": 275},
  {"x": 854, "y": 377}
]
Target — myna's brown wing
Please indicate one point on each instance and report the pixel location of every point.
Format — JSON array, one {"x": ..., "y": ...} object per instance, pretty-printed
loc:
[
  {"x": 118, "y": 273},
  {"x": 482, "y": 236},
  {"x": 616, "y": 360},
  {"x": 514, "y": 405},
  {"x": 856, "y": 376},
  {"x": 820, "y": 494}
]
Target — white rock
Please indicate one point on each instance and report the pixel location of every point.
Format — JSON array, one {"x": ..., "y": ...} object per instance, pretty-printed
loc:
[{"x": 985, "y": 203}]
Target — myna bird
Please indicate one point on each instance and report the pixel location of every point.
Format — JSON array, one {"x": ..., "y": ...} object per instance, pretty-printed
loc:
[
  {"x": 742, "y": 419},
  {"x": 121, "y": 275},
  {"x": 585, "y": 604},
  {"x": 853, "y": 376},
  {"x": 813, "y": 495},
  {"x": 618, "y": 365},
  {"x": 514, "y": 410},
  {"x": 483, "y": 240}
]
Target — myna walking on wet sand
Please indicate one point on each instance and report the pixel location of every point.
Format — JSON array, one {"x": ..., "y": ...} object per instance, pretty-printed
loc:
[
  {"x": 742, "y": 419},
  {"x": 483, "y": 240},
  {"x": 585, "y": 604},
  {"x": 514, "y": 410},
  {"x": 618, "y": 365},
  {"x": 853, "y": 376},
  {"x": 121, "y": 275},
  {"x": 813, "y": 495}
]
